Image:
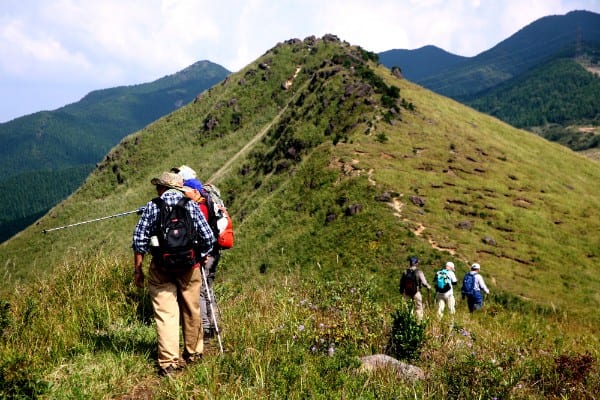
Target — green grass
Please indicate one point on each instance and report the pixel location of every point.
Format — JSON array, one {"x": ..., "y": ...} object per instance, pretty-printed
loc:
[
  {"x": 100, "y": 343},
  {"x": 298, "y": 281}
]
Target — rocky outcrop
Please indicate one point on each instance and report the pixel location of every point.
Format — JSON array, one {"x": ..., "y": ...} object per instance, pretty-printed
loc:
[{"x": 382, "y": 361}]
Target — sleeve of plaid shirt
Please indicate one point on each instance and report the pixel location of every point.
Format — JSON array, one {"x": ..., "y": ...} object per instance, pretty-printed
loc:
[{"x": 144, "y": 228}]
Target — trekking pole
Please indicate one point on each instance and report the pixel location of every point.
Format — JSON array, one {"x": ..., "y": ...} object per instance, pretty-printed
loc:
[
  {"x": 212, "y": 310},
  {"x": 139, "y": 211}
]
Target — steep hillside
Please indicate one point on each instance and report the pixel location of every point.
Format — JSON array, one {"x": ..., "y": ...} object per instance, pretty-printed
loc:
[
  {"x": 335, "y": 172},
  {"x": 64, "y": 145},
  {"x": 420, "y": 63}
]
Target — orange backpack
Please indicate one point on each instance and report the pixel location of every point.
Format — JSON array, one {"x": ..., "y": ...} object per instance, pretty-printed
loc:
[{"x": 220, "y": 220}]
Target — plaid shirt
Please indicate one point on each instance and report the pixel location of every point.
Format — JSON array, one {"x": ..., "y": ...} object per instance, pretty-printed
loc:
[{"x": 149, "y": 220}]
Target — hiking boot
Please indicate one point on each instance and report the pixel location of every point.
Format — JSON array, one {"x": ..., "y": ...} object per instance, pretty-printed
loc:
[
  {"x": 192, "y": 359},
  {"x": 208, "y": 335},
  {"x": 168, "y": 371}
]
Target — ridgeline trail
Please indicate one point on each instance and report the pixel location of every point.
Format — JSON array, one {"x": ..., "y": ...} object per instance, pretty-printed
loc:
[{"x": 221, "y": 171}]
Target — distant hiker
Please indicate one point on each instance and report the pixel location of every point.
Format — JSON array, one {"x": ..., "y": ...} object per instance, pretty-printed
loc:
[
  {"x": 174, "y": 278},
  {"x": 444, "y": 280},
  {"x": 209, "y": 265},
  {"x": 410, "y": 285},
  {"x": 472, "y": 287}
]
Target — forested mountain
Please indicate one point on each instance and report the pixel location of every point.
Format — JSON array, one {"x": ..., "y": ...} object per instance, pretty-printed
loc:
[
  {"x": 420, "y": 63},
  {"x": 515, "y": 55},
  {"x": 559, "y": 93},
  {"x": 334, "y": 171},
  {"x": 55, "y": 150},
  {"x": 533, "y": 79}
]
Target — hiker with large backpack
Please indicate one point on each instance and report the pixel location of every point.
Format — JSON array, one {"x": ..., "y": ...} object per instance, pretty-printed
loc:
[
  {"x": 174, "y": 231},
  {"x": 410, "y": 285},
  {"x": 444, "y": 280},
  {"x": 473, "y": 285}
]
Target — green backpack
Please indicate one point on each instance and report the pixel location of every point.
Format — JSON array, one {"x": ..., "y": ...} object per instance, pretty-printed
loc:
[{"x": 442, "y": 281}]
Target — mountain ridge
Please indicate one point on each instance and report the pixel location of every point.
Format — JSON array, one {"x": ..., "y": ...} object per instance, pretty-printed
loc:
[
  {"x": 73, "y": 138},
  {"x": 416, "y": 64}
]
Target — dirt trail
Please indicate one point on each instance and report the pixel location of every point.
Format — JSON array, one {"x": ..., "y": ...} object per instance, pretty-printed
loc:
[
  {"x": 397, "y": 205},
  {"x": 218, "y": 174}
]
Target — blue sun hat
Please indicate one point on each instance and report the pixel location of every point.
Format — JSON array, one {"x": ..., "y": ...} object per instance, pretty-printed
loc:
[{"x": 193, "y": 184}]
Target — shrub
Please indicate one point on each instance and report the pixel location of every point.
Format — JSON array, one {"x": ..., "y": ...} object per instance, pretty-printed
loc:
[{"x": 407, "y": 335}]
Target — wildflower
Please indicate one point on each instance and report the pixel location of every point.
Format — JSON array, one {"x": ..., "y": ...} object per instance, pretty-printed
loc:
[
  {"x": 313, "y": 349},
  {"x": 301, "y": 328},
  {"x": 330, "y": 351},
  {"x": 321, "y": 325}
]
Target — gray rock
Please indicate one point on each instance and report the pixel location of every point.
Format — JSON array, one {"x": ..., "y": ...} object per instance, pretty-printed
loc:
[{"x": 382, "y": 361}]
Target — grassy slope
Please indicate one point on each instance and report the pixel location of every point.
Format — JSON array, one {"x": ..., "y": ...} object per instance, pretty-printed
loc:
[{"x": 532, "y": 197}]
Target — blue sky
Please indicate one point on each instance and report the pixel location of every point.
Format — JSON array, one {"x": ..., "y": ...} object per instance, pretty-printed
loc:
[{"x": 54, "y": 52}]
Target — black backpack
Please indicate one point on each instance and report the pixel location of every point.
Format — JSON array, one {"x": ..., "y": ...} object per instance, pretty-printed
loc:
[
  {"x": 177, "y": 239},
  {"x": 409, "y": 283}
]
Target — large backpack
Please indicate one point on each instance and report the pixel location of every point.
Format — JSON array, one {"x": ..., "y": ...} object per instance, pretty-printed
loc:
[
  {"x": 468, "y": 285},
  {"x": 218, "y": 217},
  {"x": 409, "y": 283},
  {"x": 442, "y": 281},
  {"x": 176, "y": 235}
]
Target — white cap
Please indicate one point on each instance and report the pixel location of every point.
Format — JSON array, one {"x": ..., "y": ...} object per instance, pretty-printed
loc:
[
  {"x": 186, "y": 172},
  {"x": 450, "y": 265},
  {"x": 475, "y": 266}
]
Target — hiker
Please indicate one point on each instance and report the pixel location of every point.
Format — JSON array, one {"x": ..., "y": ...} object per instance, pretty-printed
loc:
[
  {"x": 444, "y": 280},
  {"x": 185, "y": 172},
  {"x": 174, "y": 290},
  {"x": 472, "y": 287},
  {"x": 196, "y": 192},
  {"x": 410, "y": 285}
]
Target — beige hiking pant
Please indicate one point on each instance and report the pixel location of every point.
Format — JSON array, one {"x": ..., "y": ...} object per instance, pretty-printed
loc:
[
  {"x": 443, "y": 299},
  {"x": 175, "y": 297},
  {"x": 418, "y": 303}
]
